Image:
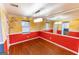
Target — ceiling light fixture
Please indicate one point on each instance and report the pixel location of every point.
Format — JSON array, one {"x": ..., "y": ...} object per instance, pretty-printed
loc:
[{"x": 38, "y": 20}]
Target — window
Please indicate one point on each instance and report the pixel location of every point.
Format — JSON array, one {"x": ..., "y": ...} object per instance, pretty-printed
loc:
[
  {"x": 47, "y": 26},
  {"x": 56, "y": 27},
  {"x": 65, "y": 28},
  {"x": 25, "y": 27}
]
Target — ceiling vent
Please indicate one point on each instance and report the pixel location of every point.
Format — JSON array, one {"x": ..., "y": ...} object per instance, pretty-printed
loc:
[
  {"x": 37, "y": 11},
  {"x": 14, "y": 5}
]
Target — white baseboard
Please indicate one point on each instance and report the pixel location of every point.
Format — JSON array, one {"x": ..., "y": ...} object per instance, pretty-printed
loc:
[{"x": 60, "y": 46}]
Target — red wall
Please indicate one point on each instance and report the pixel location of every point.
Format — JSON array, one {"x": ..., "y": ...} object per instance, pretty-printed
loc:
[
  {"x": 75, "y": 34},
  {"x": 69, "y": 42},
  {"x": 71, "y": 33},
  {"x": 21, "y": 37},
  {"x": 45, "y": 35}
]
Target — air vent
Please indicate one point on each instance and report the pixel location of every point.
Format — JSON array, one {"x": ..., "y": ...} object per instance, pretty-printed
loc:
[
  {"x": 15, "y": 5},
  {"x": 37, "y": 11}
]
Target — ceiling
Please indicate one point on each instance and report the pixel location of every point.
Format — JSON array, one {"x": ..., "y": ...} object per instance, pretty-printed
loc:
[{"x": 46, "y": 10}]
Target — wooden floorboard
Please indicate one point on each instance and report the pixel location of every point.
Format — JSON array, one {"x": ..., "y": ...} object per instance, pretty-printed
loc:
[{"x": 37, "y": 47}]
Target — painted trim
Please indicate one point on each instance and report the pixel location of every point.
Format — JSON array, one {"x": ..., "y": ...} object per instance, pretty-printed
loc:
[
  {"x": 75, "y": 34},
  {"x": 23, "y": 41},
  {"x": 60, "y": 45}
]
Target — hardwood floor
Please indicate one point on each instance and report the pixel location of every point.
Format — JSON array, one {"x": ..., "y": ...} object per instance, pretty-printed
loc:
[{"x": 37, "y": 47}]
